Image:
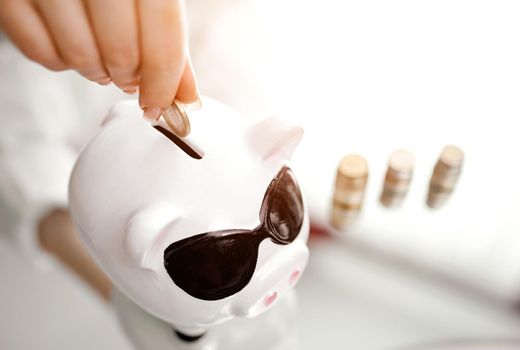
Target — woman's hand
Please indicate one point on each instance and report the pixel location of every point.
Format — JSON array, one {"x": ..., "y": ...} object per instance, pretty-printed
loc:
[{"x": 138, "y": 45}]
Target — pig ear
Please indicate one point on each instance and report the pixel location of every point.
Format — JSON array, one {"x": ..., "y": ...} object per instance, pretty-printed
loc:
[
  {"x": 272, "y": 136},
  {"x": 144, "y": 231}
]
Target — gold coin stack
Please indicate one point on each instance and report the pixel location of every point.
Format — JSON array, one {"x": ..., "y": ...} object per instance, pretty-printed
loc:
[
  {"x": 397, "y": 179},
  {"x": 351, "y": 181},
  {"x": 445, "y": 175}
]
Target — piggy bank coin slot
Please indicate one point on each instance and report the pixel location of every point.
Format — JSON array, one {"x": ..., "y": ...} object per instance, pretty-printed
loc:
[{"x": 179, "y": 142}]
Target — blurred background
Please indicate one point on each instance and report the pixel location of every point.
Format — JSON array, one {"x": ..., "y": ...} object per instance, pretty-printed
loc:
[{"x": 365, "y": 77}]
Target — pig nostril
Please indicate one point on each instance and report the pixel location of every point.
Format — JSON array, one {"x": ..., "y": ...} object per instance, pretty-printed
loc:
[
  {"x": 270, "y": 298},
  {"x": 294, "y": 276}
]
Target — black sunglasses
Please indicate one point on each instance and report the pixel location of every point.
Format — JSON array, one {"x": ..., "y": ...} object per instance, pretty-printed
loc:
[{"x": 218, "y": 264}]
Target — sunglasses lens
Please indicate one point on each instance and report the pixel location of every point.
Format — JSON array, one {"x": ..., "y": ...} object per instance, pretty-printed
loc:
[
  {"x": 212, "y": 266},
  {"x": 285, "y": 208}
]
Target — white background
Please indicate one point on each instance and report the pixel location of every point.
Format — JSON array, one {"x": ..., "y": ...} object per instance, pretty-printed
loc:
[{"x": 369, "y": 77}]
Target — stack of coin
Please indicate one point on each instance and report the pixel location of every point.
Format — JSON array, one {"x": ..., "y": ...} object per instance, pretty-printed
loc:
[
  {"x": 445, "y": 175},
  {"x": 351, "y": 181},
  {"x": 398, "y": 178}
]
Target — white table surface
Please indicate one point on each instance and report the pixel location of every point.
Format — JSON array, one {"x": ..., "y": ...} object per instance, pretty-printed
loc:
[{"x": 348, "y": 301}]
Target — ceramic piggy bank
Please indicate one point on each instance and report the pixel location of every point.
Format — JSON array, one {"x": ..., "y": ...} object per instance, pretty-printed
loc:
[{"x": 195, "y": 231}]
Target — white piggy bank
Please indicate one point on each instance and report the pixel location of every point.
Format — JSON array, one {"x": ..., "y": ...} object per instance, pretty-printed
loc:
[{"x": 195, "y": 232}]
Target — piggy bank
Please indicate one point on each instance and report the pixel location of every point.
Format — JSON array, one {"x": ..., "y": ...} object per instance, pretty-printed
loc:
[{"x": 195, "y": 231}]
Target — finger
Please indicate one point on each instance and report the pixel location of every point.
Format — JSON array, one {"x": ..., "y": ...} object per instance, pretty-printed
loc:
[
  {"x": 22, "y": 23},
  {"x": 163, "y": 53},
  {"x": 188, "y": 92},
  {"x": 117, "y": 38},
  {"x": 69, "y": 26}
]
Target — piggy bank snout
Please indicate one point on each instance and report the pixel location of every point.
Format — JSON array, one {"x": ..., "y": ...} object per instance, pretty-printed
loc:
[{"x": 272, "y": 279}]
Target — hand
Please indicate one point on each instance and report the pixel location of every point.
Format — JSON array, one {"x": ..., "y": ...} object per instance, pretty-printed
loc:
[
  {"x": 58, "y": 237},
  {"x": 138, "y": 45}
]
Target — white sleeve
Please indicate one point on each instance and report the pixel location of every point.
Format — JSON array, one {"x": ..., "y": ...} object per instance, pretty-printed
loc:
[
  {"x": 35, "y": 160},
  {"x": 45, "y": 119},
  {"x": 33, "y": 180}
]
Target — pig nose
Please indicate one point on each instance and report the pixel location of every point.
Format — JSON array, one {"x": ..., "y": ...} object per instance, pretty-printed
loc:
[{"x": 271, "y": 280}]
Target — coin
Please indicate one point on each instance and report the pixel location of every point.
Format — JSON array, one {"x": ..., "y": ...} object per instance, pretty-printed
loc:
[
  {"x": 452, "y": 156},
  {"x": 349, "y": 191},
  {"x": 400, "y": 164},
  {"x": 398, "y": 177},
  {"x": 177, "y": 119},
  {"x": 445, "y": 175},
  {"x": 343, "y": 219},
  {"x": 352, "y": 173},
  {"x": 353, "y": 166}
]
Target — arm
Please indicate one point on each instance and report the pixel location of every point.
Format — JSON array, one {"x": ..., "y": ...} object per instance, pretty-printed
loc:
[{"x": 57, "y": 236}]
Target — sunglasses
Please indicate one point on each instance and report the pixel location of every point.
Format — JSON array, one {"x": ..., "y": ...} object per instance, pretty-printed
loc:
[{"x": 218, "y": 264}]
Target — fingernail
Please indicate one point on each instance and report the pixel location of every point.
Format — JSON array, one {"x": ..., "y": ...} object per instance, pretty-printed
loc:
[
  {"x": 104, "y": 81},
  {"x": 194, "y": 105},
  {"x": 152, "y": 114},
  {"x": 130, "y": 91}
]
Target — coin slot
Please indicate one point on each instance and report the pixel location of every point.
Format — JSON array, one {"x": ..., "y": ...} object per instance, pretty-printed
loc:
[{"x": 179, "y": 142}]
